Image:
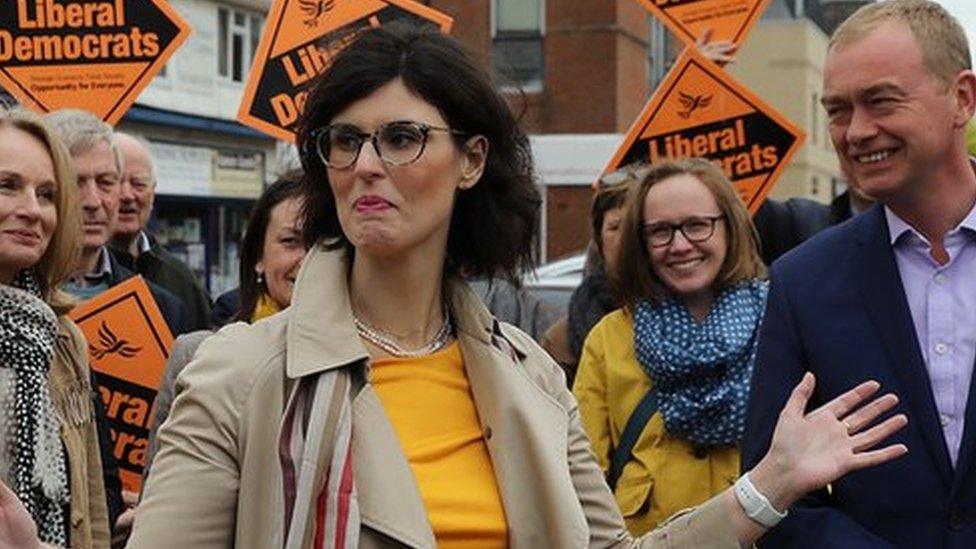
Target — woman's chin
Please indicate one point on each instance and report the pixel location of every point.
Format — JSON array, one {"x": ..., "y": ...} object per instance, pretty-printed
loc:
[{"x": 376, "y": 242}]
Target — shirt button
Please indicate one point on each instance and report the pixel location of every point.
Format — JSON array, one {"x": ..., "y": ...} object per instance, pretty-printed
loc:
[
  {"x": 488, "y": 433},
  {"x": 941, "y": 348},
  {"x": 939, "y": 279},
  {"x": 944, "y": 420}
]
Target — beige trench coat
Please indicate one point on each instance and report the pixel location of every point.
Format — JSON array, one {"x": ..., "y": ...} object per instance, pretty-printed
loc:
[{"x": 216, "y": 483}]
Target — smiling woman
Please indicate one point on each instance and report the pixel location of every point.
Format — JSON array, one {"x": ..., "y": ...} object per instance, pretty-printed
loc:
[
  {"x": 683, "y": 345},
  {"x": 49, "y": 454}
]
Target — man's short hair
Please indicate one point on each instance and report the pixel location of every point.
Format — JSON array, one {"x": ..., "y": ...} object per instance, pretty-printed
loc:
[
  {"x": 145, "y": 143},
  {"x": 82, "y": 131},
  {"x": 939, "y": 35}
]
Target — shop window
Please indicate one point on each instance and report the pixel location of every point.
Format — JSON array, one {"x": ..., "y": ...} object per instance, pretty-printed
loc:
[
  {"x": 238, "y": 34},
  {"x": 517, "y": 45}
]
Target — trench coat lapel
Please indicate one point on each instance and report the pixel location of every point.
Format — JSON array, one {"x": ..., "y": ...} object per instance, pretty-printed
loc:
[
  {"x": 524, "y": 429},
  {"x": 389, "y": 500}
]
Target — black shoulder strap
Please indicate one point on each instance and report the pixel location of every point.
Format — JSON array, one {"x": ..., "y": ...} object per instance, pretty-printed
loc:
[{"x": 635, "y": 426}]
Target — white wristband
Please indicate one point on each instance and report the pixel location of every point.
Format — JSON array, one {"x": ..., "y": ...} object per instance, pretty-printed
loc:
[{"x": 755, "y": 504}]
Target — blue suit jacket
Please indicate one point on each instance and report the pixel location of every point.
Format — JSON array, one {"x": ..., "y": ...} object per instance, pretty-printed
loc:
[{"x": 837, "y": 308}]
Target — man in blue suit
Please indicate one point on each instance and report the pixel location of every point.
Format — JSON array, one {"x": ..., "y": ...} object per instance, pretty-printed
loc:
[{"x": 891, "y": 294}]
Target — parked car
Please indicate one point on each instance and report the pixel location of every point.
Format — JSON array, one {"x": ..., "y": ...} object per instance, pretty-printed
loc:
[
  {"x": 554, "y": 282},
  {"x": 543, "y": 298}
]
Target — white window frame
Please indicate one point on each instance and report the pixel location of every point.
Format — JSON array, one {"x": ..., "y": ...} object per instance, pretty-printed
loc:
[
  {"x": 531, "y": 87},
  {"x": 233, "y": 30}
]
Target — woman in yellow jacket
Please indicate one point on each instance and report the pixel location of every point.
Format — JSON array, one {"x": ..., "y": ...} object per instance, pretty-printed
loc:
[{"x": 691, "y": 281}]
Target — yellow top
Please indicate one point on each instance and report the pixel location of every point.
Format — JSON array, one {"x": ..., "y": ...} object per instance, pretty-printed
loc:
[
  {"x": 665, "y": 474},
  {"x": 264, "y": 308},
  {"x": 429, "y": 402}
]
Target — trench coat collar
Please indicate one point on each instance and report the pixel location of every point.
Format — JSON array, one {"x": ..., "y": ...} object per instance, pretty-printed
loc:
[{"x": 321, "y": 334}]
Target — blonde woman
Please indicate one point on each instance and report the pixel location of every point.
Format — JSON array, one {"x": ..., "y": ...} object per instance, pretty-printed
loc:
[{"x": 49, "y": 455}]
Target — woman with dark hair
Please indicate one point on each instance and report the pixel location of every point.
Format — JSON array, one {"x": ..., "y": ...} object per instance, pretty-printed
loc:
[
  {"x": 271, "y": 253},
  {"x": 386, "y": 407},
  {"x": 594, "y": 298},
  {"x": 271, "y": 250}
]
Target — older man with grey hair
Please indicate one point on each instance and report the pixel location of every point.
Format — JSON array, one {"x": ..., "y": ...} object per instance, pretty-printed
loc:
[
  {"x": 98, "y": 165},
  {"x": 135, "y": 247}
]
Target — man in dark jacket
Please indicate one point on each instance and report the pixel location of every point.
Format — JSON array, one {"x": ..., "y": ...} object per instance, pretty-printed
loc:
[{"x": 135, "y": 248}]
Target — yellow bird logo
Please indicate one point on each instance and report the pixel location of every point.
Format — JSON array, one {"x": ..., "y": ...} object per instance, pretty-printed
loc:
[
  {"x": 691, "y": 103},
  {"x": 314, "y": 9},
  {"x": 111, "y": 344}
]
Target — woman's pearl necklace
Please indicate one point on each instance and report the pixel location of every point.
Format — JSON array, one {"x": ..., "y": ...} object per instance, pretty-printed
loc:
[{"x": 387, "y": 341}]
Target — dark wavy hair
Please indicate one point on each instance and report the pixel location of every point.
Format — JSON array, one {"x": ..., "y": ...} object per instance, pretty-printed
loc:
[
  {"x": 288, "y": 185},
  {"x": 494, "y": 223}
]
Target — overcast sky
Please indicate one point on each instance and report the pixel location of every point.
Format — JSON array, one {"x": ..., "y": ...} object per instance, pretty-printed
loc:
[{"x": 965, "y": 12}]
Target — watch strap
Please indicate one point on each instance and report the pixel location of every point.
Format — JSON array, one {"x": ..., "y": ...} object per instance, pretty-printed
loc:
[{"x": 755, "y": 504}]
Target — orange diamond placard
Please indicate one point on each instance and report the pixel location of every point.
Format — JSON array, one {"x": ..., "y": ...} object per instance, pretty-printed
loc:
[
  {"x": 299, "y": 42},
  {"x": 688, "y": 19},
  {"x": 85, "y": 54},
  {"x": 128, "y": 345},
  {"x": 700, "y": 111}
]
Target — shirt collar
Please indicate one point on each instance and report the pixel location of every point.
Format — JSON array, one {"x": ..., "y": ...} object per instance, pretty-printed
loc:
[
  {"x": 142, "y": 242},
  {"x": 104, "y": 268},
  {"x": 898, "y": 227}
]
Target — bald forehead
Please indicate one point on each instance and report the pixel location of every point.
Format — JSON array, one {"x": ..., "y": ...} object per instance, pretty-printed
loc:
[{"x": 137, "y": 156}]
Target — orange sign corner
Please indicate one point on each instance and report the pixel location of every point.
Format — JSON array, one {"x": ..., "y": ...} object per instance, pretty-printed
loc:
[{"x": 99, "y": 61}]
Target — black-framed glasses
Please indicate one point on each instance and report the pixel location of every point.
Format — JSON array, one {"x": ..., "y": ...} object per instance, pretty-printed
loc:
[
  {"x": 695, "y": 229},
  {"x": 397, "y": 143}
]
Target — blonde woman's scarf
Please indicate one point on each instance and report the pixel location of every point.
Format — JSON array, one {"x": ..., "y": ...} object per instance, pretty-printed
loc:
[{"x": 38, "y": 466}]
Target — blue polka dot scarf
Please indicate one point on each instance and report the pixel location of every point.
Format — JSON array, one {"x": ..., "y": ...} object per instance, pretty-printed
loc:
[{"x": 702, "y": 371}]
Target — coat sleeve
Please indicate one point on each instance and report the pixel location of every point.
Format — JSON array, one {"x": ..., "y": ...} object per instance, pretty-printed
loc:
[
  {"x": 780, "y": 364},
  {"x": 183, "y": 350},
  {"x": 590, "y": 390},
  {"x": 190, "y": 496},
  {"x": 705, "y": 527},
  {"x": 101, "y": 526}
]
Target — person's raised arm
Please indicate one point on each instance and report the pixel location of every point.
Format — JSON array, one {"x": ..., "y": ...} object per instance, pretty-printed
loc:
[{"x": 808, "y": 451}]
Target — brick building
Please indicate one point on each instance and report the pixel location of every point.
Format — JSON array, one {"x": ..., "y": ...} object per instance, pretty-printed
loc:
[
  {"x": 571, "y": 67},
  {"x": 587, "y": 67}
]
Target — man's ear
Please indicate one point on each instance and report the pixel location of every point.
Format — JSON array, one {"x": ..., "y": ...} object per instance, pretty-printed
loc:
[
  {"x": 474, "y": 155},
  {"x": 964, "y": 90}
]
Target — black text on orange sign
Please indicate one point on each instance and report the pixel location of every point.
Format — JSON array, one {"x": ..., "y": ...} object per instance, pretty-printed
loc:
[
  {"x": 127, "y": 407},
  {"x": 60, "y": 44},
  {"x": 726, "y": 146},
  {"x": 301, "y": 66}
]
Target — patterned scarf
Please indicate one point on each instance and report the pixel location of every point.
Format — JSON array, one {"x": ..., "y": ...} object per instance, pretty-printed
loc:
[
  {"x": 702, "y": 371},
  {"x": 28, "y": 328},
  {"x": 320, "y": 507}
]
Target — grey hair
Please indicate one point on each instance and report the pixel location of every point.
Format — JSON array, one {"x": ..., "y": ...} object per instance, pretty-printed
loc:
[
  {"x": 81, "y": 131},
  {"x": 146, "y": 144}
]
